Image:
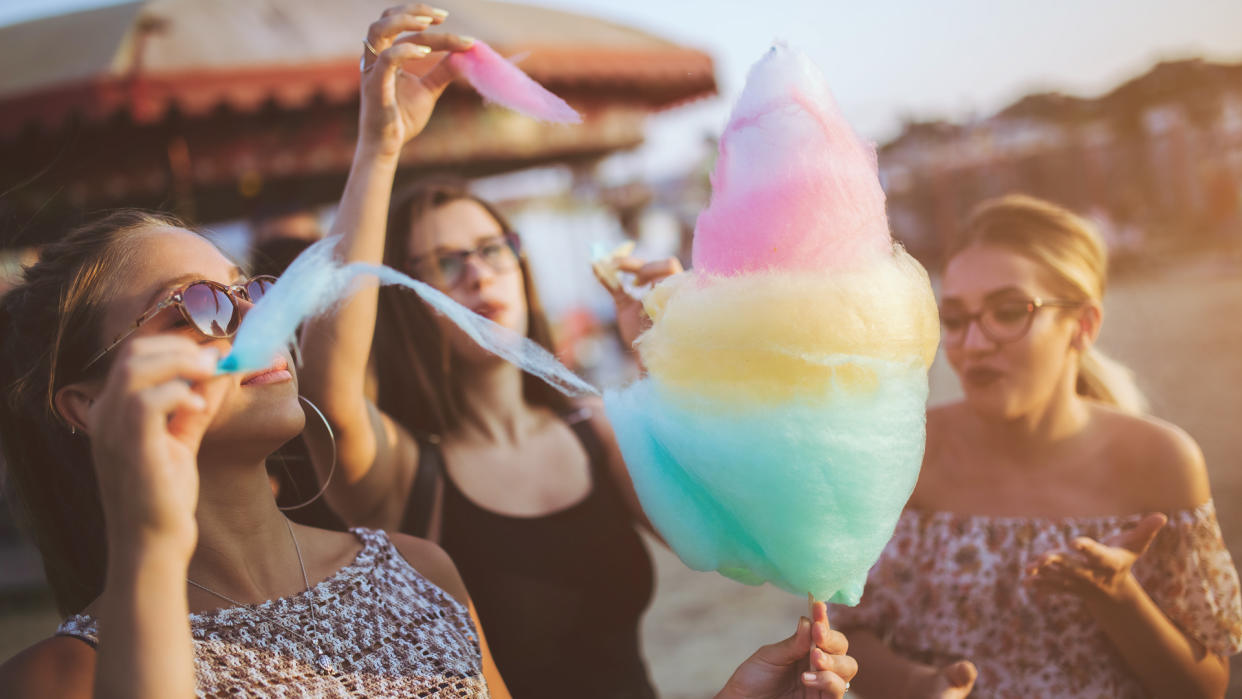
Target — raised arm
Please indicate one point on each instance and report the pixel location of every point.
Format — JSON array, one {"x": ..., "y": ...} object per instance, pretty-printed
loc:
[{"x": 374, "y": 456}]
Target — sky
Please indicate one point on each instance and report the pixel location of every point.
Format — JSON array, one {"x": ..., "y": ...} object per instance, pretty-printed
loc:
[{"x": 890, "y": 60}]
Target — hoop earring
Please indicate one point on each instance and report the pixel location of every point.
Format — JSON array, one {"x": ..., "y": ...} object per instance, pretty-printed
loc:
[{"x": 331, "y": 438}]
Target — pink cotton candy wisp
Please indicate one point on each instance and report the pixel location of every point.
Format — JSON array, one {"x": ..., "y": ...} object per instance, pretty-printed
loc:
[
  {"x": 502, "y": 82},
  {"x": 794, "y": 187}
]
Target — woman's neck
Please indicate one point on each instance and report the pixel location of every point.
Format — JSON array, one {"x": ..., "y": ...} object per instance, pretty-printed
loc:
[
  {"x": 1040, "y": 432},
  {"x": 244, "y": 546},
  {"x": 494, "y": 406}
]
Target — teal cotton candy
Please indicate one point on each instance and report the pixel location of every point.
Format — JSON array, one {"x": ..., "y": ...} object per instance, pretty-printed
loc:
[
  {"x": 803, "y": 495},
  {"x": 315, "y": 282}
]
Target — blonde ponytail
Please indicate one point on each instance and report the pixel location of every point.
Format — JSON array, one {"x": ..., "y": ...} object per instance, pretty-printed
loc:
[{"x": 1109, "y": 381}]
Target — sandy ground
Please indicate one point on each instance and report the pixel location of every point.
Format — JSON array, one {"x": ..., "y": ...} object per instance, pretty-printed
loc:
[{"x": 1179, "y": 326}]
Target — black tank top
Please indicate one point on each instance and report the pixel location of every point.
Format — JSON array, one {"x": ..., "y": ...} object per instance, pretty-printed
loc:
[{"x": 559, "y": 596}]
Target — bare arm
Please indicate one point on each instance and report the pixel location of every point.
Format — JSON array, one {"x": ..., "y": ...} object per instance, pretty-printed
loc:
[
  {"x": 1166, "y": 660},
  {"x": 56, "y": 667},
  {"x": 1170, "y": 663},
  {"x": 145, "y": 647},
  {"x": 375, "y": 457},
  {"x": 145, "y": 427}
]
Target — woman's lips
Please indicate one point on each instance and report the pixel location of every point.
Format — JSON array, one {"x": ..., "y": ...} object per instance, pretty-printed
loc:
[
  {"x": 491, "y": 311},
  {"x": 981, "y": 376},
  {"x": 276, "y": 373}
]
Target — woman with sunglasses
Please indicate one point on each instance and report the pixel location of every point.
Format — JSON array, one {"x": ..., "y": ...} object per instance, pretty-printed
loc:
[
  {"x": 140, "y": 473},
  {"x": 1059, "y": 542}
]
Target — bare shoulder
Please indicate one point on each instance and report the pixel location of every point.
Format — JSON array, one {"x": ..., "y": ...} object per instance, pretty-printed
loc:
[
  {"x": 942, "y": 421},
  {"x": 59, "y": 666},
  {"x": 1166, "y": 463},
  {"x": 327, "y": 550},
  {"x": 433, "y": 563},
  {"x": 599, "y": 421}
]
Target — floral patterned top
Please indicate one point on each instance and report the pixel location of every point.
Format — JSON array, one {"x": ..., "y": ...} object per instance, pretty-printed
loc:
[{"x": 949, "y": 587}]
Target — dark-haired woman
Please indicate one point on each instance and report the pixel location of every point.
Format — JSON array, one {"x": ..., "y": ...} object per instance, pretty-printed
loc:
[{"x": 525, "y": 489}]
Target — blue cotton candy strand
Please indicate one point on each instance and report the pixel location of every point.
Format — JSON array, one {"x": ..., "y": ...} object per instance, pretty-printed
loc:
[{"x": 316, "y": 282}]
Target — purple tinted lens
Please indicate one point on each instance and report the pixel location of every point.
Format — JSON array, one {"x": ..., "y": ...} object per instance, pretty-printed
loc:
[
  {"x": 256, "y": 288},
  {"x": 210, "y": 309}
]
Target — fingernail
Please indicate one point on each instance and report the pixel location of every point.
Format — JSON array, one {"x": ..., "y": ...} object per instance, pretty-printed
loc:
[
  {"x": 469, "y": 40},
  {"x": 808, "y": 677},
  {"x": 422, "y": 50},
  {"x": 424, "y": 19},
  {"x": 439, "y": 13},
  {"x": 198, "y": 401}
]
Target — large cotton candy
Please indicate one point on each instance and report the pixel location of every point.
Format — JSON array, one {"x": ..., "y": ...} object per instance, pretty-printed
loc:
[
  {"x": 505, "y": 84},
  {"x": 780, "y": 427},
  {"x": 316, "y": 282}
]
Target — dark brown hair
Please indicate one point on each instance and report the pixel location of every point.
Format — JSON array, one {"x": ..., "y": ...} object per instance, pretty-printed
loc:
[
  {"x": 50, "y": 325},
  {"x": 413, "y": 362}
]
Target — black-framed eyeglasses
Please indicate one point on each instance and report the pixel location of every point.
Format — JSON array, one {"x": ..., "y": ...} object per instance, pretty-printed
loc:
[
  {"x": 209, "y": 307},
  {"x": 1001, "y": 321},
  {"x": 444, "y": 268}
]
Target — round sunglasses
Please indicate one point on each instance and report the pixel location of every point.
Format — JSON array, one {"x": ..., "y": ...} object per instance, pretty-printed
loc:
[
  {"x": 209, "y": 307},
  {"x": 1001, "y": 322}
]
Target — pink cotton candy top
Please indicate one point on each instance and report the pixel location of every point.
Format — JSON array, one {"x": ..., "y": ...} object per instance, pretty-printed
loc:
[{"x": 794, "y": 187}]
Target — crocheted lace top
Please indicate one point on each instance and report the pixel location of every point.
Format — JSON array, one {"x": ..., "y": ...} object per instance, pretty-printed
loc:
[
  {"x": 949, "y": 586},
  {"x": 378, "y": 629}
]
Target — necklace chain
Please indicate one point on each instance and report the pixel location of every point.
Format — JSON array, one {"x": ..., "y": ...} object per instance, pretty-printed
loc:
[{"x": 323, "y": 662}]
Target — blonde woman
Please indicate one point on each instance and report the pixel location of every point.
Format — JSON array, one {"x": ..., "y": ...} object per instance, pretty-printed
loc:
[{"x": 1059, "y": 542}]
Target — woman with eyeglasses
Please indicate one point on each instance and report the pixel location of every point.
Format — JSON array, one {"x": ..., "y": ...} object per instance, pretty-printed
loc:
[
  {"x": 1059, "y": 542},
  {"x": 524, "y": 488},
  {"x": 140, "y": 472}
]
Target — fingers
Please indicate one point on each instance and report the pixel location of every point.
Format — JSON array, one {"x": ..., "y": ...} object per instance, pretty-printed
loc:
[
  {"x": 439, "y": 42},
  {"x": 961, "y": 675},
  {"x": 789, "y": 650},
  {"x": 160, "y": 401},
  {"x": 385, "y": 30},
  {"x": 1141, "y": 536},
  {"x": 823, "y": 636},
  {"x": 829, "y": 683},
  {"x": 842, "y": 665},
  {"x": 444, "y": 72},
  {"x": 416, "y": 9},
  {"x": 1100, "y": 557},
  {"x": 829, "y": 640},
  {"x": 648, "y": 272},
  {"x": 153, "y": 360}
]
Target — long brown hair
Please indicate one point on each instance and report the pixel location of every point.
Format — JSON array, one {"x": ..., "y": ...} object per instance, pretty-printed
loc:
[
  {"x": 413, "y": 362},
  {"x": 1076, "y": 260},
  {"x": 50, "y": 325}
]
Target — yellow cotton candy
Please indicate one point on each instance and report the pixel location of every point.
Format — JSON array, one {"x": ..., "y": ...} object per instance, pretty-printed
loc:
[{"x": 771, "y": 336}]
